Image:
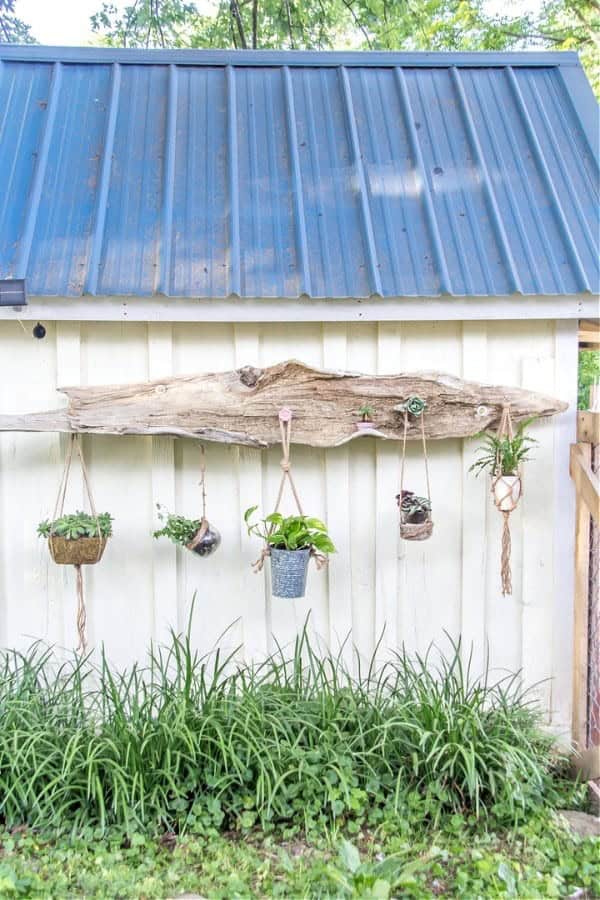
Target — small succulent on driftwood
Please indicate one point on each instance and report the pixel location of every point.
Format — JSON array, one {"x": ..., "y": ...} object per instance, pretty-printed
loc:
[{"x": 366, "y": 413}]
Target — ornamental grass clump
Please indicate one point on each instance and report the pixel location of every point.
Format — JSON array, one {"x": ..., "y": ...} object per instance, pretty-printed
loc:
[{"x": 195, "y": 744}]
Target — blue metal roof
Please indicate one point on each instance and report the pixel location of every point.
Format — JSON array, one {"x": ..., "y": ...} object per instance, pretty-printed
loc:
[{"x": 270, "y": 174}]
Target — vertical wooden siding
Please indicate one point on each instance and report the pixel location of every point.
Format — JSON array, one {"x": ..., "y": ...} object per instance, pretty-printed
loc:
[{"x": 410, "y": 592}]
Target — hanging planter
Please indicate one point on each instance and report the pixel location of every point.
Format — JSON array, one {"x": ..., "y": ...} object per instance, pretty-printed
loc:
[
  {"x": 77, "y": 539},
  {"x": 416, "y": 523},
  {"x": 196, "y": 535},
  {"x": 503, "y": 454},
  {"x": 507, "y": 491},
  {"x": 290, "y": 541},
  {"x": 415, "y": 517}
]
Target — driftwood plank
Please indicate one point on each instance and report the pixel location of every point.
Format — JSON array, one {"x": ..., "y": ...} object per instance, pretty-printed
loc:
[{"x": 241, "y": 406}]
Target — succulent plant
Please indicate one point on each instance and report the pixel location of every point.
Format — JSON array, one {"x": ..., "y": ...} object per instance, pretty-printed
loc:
[{"x": 413, "y": 509}]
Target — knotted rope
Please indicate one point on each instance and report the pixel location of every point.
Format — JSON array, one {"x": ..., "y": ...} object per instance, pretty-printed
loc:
[
  {"x": 285, "y": 429},
  {"x": 415, "y": 406},
  {"x": 81, "y": 611},
  {"x": 75, "y": 444},
  {"x": 197, "y": 539},
  {"x": 507, "y": 501}
]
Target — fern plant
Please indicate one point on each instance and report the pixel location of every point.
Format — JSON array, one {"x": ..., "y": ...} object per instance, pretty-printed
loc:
[{"x": 504, "y": 455}]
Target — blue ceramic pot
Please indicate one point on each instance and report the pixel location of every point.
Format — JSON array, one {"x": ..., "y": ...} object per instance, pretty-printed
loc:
[{"x": 288, "y": 573}]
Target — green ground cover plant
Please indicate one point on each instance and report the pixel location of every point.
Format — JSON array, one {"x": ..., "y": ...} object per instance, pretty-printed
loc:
[
  {"x": 296, "y": 745},
  {"x": 401, "y": 858}
]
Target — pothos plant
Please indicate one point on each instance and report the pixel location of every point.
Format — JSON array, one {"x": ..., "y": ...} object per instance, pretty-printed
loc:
[
  {"x": 178, "y": 529},
  {"x": 77, "y": 525},
  {"x": 503, "y": 455},
  {"x": 291, "y": 532}
]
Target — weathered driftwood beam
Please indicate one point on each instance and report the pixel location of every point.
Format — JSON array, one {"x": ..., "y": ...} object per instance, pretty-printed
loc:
[{"x": 240, "y": 407}]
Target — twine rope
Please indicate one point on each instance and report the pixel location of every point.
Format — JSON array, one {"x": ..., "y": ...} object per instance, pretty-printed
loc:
[
  {"x": 425, "y": 457},
  {"x": 197, "y": 539},
  {"x": 81, "y": 611},
  {"x": 285, "y": 430},
  {"x": 75, "y": 445},
  {"x": 505, "y": 556},
  {"x": 505, "y": 429}
]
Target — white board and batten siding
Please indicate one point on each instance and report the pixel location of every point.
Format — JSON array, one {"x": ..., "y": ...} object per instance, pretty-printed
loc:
[{"x": 412, "y": 593}]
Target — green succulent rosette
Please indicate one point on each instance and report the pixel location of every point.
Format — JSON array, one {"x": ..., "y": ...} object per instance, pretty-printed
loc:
[{"x": 414, "y": 406}]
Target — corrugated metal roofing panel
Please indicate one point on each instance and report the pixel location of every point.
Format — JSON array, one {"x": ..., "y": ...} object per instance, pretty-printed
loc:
[{"x": 210, "y": 174}]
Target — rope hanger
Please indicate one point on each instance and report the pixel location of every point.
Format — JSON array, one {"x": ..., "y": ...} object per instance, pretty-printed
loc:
[
  {"x": 425, "y": 457},
  {"x": 201, "y": 533},
  {"x": 506, "y": 502},
  {"x": 285, "y": 429},
  {"x": 75, "y": 445},
  {"x": 415, "y": 531}
]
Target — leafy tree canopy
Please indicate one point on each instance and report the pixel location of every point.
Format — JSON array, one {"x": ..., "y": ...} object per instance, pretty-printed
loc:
[
  {"x": 360, "y": 24},
  {"x": 13, "y": 30}
]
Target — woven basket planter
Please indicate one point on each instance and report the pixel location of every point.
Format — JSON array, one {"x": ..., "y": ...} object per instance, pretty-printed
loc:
[
  {"x": 416, "y": 531},
  {"x": 84, "y": 551}
]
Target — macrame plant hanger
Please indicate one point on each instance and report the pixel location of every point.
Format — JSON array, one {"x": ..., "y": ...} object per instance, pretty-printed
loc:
[
  {"x": 409, "y": 531},
  {"x": 285, "y": 428},
  {"x": 76, "y": 559},
  {"x": 507, "y": 491}
]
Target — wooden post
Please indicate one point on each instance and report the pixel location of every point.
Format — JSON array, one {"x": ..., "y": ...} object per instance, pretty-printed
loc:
[{"x": 580, "y": 614}]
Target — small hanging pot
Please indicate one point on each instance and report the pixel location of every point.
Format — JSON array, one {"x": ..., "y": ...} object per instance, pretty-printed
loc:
[
  {"x": 289, "y": 569},
  {"x": 507, "y": 492},
  {"x": 365, "y": 427},
  {"x": 83, "y": 551},
  {"x": 416, "y": 523},
  {"x": 411, "y": 531},
  {"x": 206, "y": 540}
]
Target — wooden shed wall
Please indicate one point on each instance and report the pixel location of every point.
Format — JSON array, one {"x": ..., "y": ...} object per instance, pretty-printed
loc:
[{"x": 416, "y": 591}]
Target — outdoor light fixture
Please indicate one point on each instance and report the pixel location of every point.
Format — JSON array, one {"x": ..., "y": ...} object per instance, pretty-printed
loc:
[{"x": 12, "y": 292}]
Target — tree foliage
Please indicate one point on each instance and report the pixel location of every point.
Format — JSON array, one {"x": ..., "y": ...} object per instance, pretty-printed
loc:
[
  {"x": 12, "y": 29},
  {"x": 359, "y": 24}
]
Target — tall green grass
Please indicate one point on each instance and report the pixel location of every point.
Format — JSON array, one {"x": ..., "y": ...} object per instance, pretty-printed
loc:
[{"x": 191, "y": 743}]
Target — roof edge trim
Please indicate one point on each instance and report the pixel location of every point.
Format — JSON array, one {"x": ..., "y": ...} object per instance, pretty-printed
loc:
[{"x": 302, "y": 58}]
